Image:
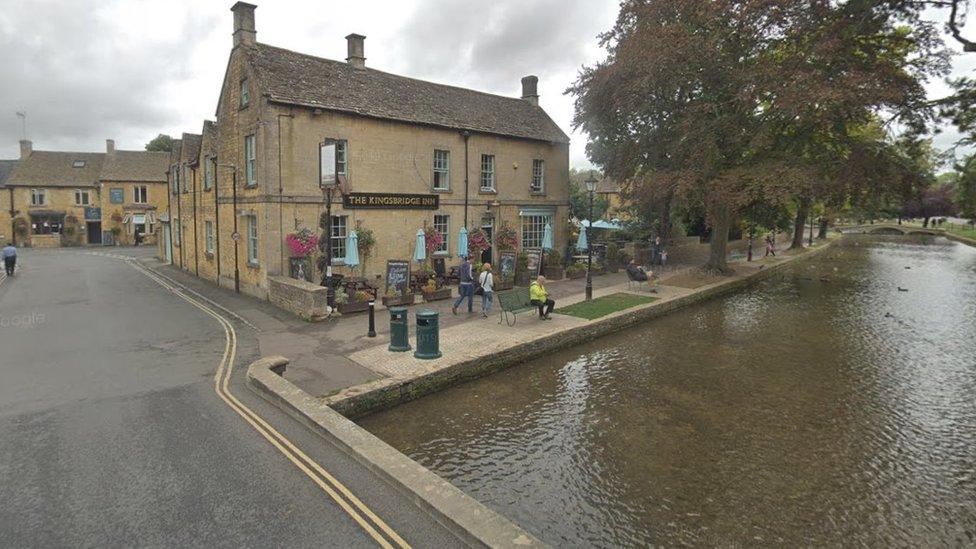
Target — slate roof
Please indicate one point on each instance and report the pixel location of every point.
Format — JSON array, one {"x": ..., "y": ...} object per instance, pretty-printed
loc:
[
  {"x": 135, "y": 166},
  {"x": 190, "y": 148},
  {"x": 55, "y": 169},
  {"x": 6, "y": 166},
  {"x": 294, "y": 78},
  {"x": 208, "y": 144},
  {"x": 175, "y": 151}
]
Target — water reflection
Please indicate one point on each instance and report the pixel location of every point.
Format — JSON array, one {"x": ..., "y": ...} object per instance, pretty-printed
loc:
[{"x": 823, "y": 407}]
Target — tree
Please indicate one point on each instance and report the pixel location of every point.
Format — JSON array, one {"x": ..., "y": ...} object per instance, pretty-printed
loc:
[
  {"x": 160, "y": 143},
  {"x": 715, "y": 102},
  {"x": 579, "y": 197},
  {"x": 966, "y": 188}
]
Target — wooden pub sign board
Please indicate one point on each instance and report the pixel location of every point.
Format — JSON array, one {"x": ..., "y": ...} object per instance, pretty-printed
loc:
[{"x": 390, "y": 201}]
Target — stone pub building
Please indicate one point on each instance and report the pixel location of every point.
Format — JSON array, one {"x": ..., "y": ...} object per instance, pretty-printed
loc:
[{"x": 251, "y": 177}]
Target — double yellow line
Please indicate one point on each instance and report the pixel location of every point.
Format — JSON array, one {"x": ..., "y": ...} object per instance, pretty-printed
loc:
[{"x": 366, "y": 518}]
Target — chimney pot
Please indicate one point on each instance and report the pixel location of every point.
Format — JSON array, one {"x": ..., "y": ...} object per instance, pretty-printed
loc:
[
  {"x": 26, "y": 148},
  {"x": 110, "y": 146},
  {"x": 530, "y": 86},
  {"x": 244, "y": 31},
  {"x": 355, "y": 52}
]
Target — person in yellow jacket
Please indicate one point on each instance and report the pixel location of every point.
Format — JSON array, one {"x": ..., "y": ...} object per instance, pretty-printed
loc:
[{"x": 540, "y": 298}]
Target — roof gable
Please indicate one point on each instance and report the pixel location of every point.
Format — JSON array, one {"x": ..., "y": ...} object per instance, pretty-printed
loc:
[
  {"x": 57, "y": 169},
  {"x": 293, "y": 78},
  {"x": 6, "y": 166},
  {"x": 135, "y": 166}
]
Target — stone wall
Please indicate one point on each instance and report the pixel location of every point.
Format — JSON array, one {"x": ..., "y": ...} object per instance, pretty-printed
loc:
[{"x": 302, "y": 298}]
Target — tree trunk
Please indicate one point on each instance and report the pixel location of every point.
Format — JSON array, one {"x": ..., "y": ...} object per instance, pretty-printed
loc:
[
  {"x": 823, "y": 228},
  {"x": 717, "y": 261},
  {"x": 802, "y": 211}
]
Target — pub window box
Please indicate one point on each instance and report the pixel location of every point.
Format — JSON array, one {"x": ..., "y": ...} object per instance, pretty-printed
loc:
[
  {"x": 439, "y": 294},
  {"x": 352, "y": 307},
  {"x": 554, "y": 272}
]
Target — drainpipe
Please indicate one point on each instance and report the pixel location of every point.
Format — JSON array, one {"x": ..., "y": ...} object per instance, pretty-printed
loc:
[
  {"x": 179, "y": 210},
  {"x": 237, "y": 241},
  {"x": 196, "y": 237},
  {"x": 216, "y": 219},
  {"x": 466, "y": 135},
  {"x": 169, "y": 208},
  {"x": 13, "y": 226},
  {"x": 281, "y": 191}
]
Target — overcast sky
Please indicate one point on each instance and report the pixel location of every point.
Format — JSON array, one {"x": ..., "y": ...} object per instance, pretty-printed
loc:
[{"x": 128, "y": 70}]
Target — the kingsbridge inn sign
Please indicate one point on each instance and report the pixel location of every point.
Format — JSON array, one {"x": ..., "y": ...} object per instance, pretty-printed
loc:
[{"x": 390, "y": 201}]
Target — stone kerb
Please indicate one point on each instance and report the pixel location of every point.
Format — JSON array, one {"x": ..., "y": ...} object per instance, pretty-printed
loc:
[{"x": 465, "y": 517}]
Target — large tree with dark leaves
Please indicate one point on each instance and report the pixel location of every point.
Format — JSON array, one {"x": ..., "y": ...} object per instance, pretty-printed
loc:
[{"x": 713, "y": 101}]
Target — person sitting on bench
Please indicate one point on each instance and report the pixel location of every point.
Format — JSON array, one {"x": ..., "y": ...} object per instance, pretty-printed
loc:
[
  {"x": 539, "y": 297},
  {"x": 637, "y": 273}
]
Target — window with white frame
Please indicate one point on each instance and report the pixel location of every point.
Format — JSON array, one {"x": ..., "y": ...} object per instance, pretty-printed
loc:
[
  {"x": 442, "y": 224},
  {"x": 249, "y": 161},
  {"x": 533, "y": 228},
  {"x": 140, "y": 194},
  {"x": 208, "y": 231},
  {"x": 81, "y": 197},
  {"x": 338, "y": 235},
  {"x": 245, "y": 93},
  {"x": 442, "y": 170},
  {"x": 209, "y": 168},
  {"x": 252, "y": 239},
  {"x": 487, "y": 172},
  {"x": 538, "y": 176},
  {"x": 38, "y": 197}
]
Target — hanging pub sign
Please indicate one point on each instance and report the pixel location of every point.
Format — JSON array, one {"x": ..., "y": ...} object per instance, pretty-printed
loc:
[{"x": 390, "y": 201}]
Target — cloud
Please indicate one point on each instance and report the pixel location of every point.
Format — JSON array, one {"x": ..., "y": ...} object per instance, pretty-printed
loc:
[{"x": 84, "y": 75}]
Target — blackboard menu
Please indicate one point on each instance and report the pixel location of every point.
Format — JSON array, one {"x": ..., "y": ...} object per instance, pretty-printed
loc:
[
  {"x": 398, "y": 276},
  {"x": 506, "y": 265},
  {"x": 533, "y": 255}
]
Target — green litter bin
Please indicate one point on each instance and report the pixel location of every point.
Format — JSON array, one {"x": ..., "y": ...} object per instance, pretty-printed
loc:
[
  {"x": 428, "y": 340},
  {"x": 399, "y": 337}
]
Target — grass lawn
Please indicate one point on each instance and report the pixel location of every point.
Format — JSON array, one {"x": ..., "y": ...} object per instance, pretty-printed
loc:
[
  {"x": 605, "y": 305},
  {"x": 960, "y": 230}
]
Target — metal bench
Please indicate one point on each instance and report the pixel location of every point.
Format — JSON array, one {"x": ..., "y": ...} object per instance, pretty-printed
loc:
[{"x": 514, "y": 302}]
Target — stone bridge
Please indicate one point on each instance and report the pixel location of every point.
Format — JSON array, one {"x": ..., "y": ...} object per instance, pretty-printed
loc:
[{"x": 890, "y": 228}]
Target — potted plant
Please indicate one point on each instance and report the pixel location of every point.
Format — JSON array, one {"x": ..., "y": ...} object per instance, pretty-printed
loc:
[
  {"x": 301, "y": 244},
  {"x": 613, "y": 258},
  {"x": 356, "y": 303},
  {"x": 394, "y": 298},
  {"x": 576, "y": 271},
  {"x": 116, "y": 232},
  {"x": 553, "y": 269},
  {"x": 434, "y": 293},
  {"x": 365, "y": 244},
  {"x": 522, "y": 269}
]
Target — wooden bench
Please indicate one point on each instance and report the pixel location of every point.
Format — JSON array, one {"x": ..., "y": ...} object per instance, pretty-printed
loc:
[{"x": 514, "y": 302}]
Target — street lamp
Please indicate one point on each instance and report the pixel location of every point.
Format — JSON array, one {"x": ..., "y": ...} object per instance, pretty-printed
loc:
[{"x": 590, "y": 188}]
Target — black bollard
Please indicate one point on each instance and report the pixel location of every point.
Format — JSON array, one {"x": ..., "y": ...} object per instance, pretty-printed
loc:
[{"x": 372, "y": 320}]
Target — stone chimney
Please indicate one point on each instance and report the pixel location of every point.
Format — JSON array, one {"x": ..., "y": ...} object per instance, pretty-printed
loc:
[
  {"x": 26, "y": 148},
  {"x": 530, "y": 92},
  {"x": 244, "y": 32},
  {"x": 355, "y": 55},
  {"x": 110, "y": 146}
]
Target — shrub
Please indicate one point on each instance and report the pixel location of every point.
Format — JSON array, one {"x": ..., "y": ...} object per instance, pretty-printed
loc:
[{"x": 555, "y": 259}]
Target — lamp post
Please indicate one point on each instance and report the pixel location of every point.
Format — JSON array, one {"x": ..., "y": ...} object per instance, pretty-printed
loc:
[{"x": 590, "y": 188}]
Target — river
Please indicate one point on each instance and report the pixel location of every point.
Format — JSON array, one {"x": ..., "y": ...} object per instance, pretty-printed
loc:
[{"x": 822, "y": 407}]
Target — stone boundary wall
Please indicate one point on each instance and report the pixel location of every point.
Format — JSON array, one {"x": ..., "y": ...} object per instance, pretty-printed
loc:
[
  {"x": 302, "y": 298},
  {"x": 462, "y": 515},
  {"x": 386, "y": 393}
]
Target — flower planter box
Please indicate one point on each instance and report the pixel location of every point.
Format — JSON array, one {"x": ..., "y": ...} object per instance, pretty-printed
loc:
[
  {"x": 398, "y": 301},
  {"x": 554, "y": 273},
  {"x": 353, "y": 307},
  {"x": 575, "y": 275},
  {"x": 522, "y": 279},
  {"x": 438, "y": 295},
  {"x": 504, "y": 285}
]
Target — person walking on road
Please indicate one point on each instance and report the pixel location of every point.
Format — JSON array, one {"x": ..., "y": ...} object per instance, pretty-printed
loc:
[
  {"x": 9, "y": 258},
  {"x": 487, "y": 282},
  {"x": 539, "y": 296},
  {"x": 465, "y": 286}
]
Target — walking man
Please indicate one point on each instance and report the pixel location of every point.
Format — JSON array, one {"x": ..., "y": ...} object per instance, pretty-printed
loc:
[
  {"x": 465, "y": 286},
  {"x": 9, "y": 258}
]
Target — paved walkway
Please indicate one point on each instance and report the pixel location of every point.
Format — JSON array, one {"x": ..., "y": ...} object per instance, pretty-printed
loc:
[{"x": 329, "y": 356}]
